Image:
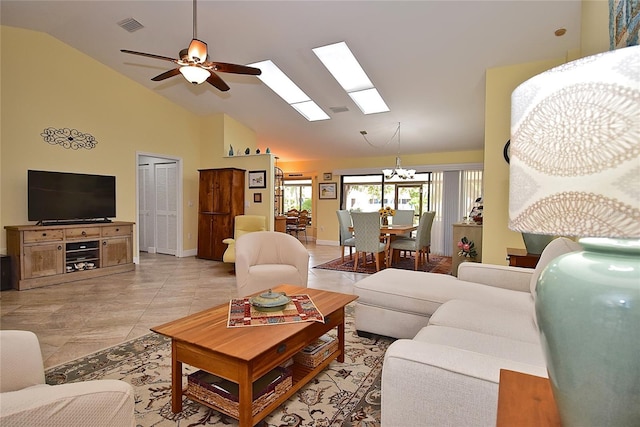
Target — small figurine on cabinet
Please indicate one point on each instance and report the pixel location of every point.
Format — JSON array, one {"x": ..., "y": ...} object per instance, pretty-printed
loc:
[
  {"x": 247, "y": 151},
  {"x": 268, "y": 150},
  {"x": 257, "y": 151},
  {"x": 230, "y": 150}
]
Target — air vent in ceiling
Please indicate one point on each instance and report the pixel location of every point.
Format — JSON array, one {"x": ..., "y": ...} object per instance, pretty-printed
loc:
[
  {"x": 130, "y": 25},
  {"x": 339, "y": 109}
]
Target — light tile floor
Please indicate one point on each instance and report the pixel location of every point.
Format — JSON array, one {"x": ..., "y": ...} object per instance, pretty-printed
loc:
[{"x": 77, "y": 318}]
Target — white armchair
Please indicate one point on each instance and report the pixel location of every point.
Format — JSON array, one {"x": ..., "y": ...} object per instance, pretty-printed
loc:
[
  {"x": 265, "y": 259},
  {"x": 25, "y": 399}
]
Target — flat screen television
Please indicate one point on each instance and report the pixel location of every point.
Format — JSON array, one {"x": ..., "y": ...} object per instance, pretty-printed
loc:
[{"x": 65, "y": 197}]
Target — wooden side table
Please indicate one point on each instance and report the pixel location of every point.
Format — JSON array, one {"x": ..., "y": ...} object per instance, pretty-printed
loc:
[
  {"x": 520, "y": 258},
  {"x": 525, "y": 401}
]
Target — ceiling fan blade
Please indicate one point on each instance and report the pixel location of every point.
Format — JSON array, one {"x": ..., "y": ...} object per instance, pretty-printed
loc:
[
  {"x": 216, "y": 81},
  {"x": 166, "y": 75},
  {"x": 149, "y": 55},
  {"x": 234, "y": 68}
]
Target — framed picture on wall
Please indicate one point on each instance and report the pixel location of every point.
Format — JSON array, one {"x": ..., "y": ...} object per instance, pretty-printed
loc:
[
  {"x": 327, "y": 176},
  {"x": 257, "y": 197},
  {"x": 257, "y": 179},
  {"x": 328, "y": 191}
]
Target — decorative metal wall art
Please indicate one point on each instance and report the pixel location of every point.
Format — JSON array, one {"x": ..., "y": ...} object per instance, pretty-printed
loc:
[{"x": 69, "y": 138}]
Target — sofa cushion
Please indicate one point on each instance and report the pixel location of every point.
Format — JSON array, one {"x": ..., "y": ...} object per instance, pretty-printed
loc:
[
  {"x": 557, "y": 247},
  {"x": 490, "y": 319},
  {"x": 481, "y": 343},
  {"x": 422, "y": 293}
]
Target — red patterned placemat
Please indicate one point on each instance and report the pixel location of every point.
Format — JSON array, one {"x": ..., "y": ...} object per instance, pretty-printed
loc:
[{"x": 300, "y": 309}]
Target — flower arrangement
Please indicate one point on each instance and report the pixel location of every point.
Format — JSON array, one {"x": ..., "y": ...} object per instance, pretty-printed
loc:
[
  {"x": 386, "y": 212},
  {"x": 467, "y": 248}
]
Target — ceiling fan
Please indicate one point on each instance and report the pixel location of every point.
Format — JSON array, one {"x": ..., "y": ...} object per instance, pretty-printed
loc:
[{"x": 194, "y": 65}]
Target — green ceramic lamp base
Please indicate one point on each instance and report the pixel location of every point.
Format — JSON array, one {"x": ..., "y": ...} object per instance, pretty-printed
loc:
[{"x": 588, "y": 311}]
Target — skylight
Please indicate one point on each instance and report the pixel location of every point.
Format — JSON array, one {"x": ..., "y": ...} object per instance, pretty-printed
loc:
[
  {"x": 347, "y": 71},
  {"x": 282, "y": 85},
  {"x": 369, "y": 101}
]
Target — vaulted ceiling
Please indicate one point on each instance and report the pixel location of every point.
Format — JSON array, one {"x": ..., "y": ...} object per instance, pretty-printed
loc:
[{"x": 426, "y": 58}]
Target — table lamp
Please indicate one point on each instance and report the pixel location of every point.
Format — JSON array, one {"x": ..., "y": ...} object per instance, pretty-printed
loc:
[{"x": 575, "y": 171}]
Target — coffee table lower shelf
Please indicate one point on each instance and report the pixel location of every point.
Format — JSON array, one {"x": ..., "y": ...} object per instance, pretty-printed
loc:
[{"x": 301, "y": 376}]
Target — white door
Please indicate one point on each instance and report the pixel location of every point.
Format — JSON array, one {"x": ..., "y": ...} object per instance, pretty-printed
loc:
[
  {"x": 166, "y": 178},
  {"x": 145, "y": 208}
]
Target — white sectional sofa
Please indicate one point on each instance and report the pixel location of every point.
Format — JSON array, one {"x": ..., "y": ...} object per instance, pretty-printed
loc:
[{"x": 455, "y": 336}]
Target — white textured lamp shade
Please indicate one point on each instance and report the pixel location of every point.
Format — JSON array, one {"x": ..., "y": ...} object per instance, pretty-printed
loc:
[{"x": 575, "y": 149}]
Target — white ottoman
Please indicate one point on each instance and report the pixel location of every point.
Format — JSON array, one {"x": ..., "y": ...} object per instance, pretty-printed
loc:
[{"x": 398, "y": 303}]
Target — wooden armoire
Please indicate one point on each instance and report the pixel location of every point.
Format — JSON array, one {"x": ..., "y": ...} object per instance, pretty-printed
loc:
[{"x": 220, "y": 199}]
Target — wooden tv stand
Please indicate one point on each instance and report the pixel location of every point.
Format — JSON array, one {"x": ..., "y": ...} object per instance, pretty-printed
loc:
[{"x": 43, "y": 255}]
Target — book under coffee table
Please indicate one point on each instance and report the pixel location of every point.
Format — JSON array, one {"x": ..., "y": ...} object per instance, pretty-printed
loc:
[{"x": 243, "y": 355}]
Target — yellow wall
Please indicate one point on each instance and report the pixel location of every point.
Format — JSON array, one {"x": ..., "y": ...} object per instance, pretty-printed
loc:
[
  {"x": 123, "y": 116},
  {"x": 594, "y": 37},
  {"x": 500, "y": 82},
  {"x": 48, "y": 84}
]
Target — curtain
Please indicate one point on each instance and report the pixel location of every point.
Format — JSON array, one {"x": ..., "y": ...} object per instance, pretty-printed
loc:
[
  {"x": 437, "y": 229},
  {"x": 453, "y": 196}
]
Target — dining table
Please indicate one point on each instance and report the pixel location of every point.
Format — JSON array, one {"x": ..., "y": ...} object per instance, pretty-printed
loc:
[{"x": 389, "y": 232}]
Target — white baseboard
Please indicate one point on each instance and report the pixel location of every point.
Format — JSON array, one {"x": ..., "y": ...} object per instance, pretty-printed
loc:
[
  {"x": 327, "y": 243},
  {"x": 188, "y": 252}
]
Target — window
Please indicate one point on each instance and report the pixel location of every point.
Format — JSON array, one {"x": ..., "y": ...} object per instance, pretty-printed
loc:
[
  {"x": 451, "y": 194},
  {"x": 298, "y": 194},
  {"x": 368, "y": 193}
]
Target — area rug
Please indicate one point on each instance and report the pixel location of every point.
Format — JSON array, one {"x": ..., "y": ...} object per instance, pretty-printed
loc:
[
  {"x": 300, "y": 309},
  {"x": 343, "y": 394},
  {"x": 436, "y": 264}
]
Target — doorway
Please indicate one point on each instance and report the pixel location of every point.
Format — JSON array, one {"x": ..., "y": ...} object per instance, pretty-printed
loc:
[{"x": 159, "y": 204}]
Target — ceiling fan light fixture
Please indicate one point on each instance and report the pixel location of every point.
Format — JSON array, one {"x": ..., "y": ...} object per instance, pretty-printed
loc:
[
  {"x": 197, "y": 51},
  {"x": 195, "y": 74}
]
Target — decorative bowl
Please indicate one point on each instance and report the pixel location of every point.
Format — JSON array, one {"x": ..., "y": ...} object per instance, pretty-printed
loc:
[{"x": 270, "y": 301}]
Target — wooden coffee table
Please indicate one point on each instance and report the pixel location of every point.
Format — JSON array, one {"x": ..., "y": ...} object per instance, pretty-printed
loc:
[{"x": 243, "y": 355}]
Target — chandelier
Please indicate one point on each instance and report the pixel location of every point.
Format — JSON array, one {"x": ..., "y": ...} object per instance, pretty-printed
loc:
[{"x": 398, "y": 171}]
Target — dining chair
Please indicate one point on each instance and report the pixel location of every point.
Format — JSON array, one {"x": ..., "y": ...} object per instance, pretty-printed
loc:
[
  {"x": 292, "y": 220},
  {"x": 301, "y": 225},
  {"x": 346, "y": 236},
  {"x": 366, "y": 229},
  {"x": 404, "y": 217},
  {"x": 421, "y": 244}
]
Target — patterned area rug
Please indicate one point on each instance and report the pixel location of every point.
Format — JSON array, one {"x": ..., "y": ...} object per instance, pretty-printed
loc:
[
  {"x": 436, "y": 264},
  {"x": 343, "y": 394}
]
